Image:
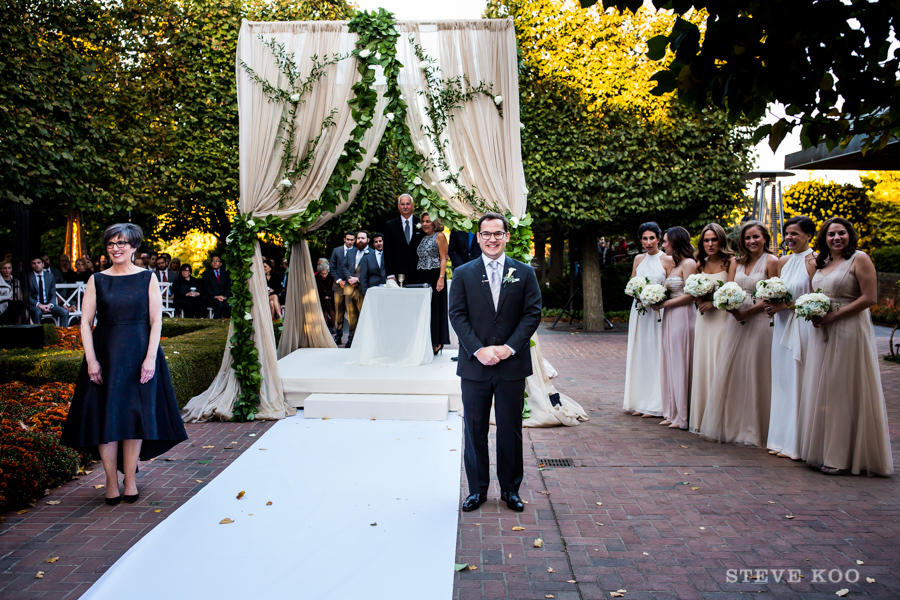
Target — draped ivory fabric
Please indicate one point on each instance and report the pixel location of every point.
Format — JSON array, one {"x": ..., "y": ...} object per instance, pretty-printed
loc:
[{"x": 486, "y": 145}]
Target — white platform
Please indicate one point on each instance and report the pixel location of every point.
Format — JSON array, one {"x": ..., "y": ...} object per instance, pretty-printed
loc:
[
  {"x": 333, "y": 510},
  {"x": 406, "y": 407},
  {"x": 322, "y": 371}
]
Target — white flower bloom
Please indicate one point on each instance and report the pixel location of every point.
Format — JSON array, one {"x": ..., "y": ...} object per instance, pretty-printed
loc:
[
  {"x": 729, "y": 296},
  {"x": 344, "y": 153},
  {"x": 378, "y": 56},
  {"x": 525, "y": 191},
  {"x": 295, "y": 97},
  {"x": 418, "y": 226},
  {"x": 635, "y": 285},
  {"x": 514, "y": 221},
  {"x": 699, "y": 285},
  {"x": 521, "y": 125},
  {"x": 772, "y": 289},
  {"x": 251, "y": 223},
  {"x": 423, "y": 65},
  {"x": 653, "y": 294},
  {"x": 498, "y": 100},
  {"x": 434, "y": 183},
  {"x": 374, "y": 160},
  {"x": 417, "y": 181},
  {"x": 285, "y": 183},
  {"x": 389, "y": 116},
  {"x": 248, "y": 317},
  {"x": 812, "y": 305},
  {"x": 365, "y": 53}
]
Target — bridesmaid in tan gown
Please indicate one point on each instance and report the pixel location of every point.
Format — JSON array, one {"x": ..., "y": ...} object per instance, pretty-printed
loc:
[
  {"x": 713, "y": 258},
  {"x": 843, "y": 419},
  {"x": 679, "y": 317},
  {"x": 737, "y": 408}
]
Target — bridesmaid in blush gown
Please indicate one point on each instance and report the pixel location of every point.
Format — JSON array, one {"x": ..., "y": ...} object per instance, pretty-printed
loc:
[
  {"x": 713, "y": 258},
  {"x": 737, "y": 408},
  {"x": 677, "y": 330},
  {"x": 843, "y": 419},
  {"x": 789, "y": 338},
  {"x": 643, "y": 392}
]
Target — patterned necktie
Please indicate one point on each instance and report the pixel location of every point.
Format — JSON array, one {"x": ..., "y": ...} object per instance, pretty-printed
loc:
[
  {"x": 495, "y": 282},
  {"x": 407, "y": 231}
]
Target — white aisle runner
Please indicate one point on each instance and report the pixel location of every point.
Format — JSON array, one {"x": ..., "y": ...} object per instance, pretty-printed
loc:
[{"x": 360, "y": 509}]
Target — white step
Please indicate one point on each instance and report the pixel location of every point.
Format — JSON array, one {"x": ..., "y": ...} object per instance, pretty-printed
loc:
[{"x": 399, "y": 407}]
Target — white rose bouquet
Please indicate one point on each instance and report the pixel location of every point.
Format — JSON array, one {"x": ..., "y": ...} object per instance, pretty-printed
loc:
[
  {"x": 635, "y": 285},
  {"x": 729, "y": 297},
  {"x": 812, "y": 305},
  {"x": 653, "y": 294},
  {"x": 701, "y": 287},
  {"x": 772, "y": 290}
]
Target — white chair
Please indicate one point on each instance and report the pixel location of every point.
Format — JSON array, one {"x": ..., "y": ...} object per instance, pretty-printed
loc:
[
  {"x": 167, "y": 306},
  {"x": 69, "y": 295}
]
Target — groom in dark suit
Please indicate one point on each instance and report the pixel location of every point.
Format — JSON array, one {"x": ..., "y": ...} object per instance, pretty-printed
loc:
[{"x": 495, "y": 308}]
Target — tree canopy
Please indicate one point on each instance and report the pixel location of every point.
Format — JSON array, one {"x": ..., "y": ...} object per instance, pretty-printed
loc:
[{"x": 832, "y": 64}]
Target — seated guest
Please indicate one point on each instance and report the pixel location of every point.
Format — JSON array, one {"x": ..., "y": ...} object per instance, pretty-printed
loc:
[
  {"x": 52, "y": 270},
  {"x": 139, "y": 262},
  {"x": 81, "y": 272},
  {"x": 371, "y": 272},
  {"x": 463, "y": 248},
  {"x": 102, "y": 263},
  {"x": 273, "y": 287},
  {"x": 65, "y": 270},
  {"x": 163, "y": 273},
  {"x": 42, "y": 301},
  {"x": 217, "y": 287},
  {"x": 175, "y": 265},
  {"x": 88, "y": 264},
  {"x": 10, "y": 306},
  {"x": 151, "y": 261},
  {"x": 188, "y": 295},
  {"x": 325, "y": 285}
]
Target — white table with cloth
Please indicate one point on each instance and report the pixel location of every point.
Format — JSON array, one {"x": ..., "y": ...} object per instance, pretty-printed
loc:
[{"x": 394, "y": 328}]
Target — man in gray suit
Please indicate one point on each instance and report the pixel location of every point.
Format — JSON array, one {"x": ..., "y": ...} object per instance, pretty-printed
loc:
[
  {"x": 372, "y": 272},
  {"x": 42, "y": 301},
  {"x": 353, "y": 296},
  {"x": 336, "y": 266}
]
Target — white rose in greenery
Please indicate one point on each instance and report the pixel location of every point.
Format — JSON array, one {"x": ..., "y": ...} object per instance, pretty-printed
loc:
[
  {"x": 525, "y": 191},
  {"x": 251, "y": 223},
  {"x": 389, "y": 116},
  {"x": 423, "y": 65},
  {"x": 285, "y": 183},
  {"x": 498, "y": 100},
  {"x": 295, "y": 97},
  {"x": 344, "y": 153},
  {"x": 514, "y": 221},
  {"x": 417, "y": 181},
  {"x": 248, "y": 317},
  {"x": 521, "y": 125},
  {"x": 374, "y": 160},
  {"x": 434, "y": 183},
  {"x": 365, "y": 53},
  {"x": 378, "y": 56}
]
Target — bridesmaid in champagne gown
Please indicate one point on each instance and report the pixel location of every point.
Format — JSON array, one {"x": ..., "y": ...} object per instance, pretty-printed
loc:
[
  {"x": 737, "y": 408},
  {"x": 643, "y": 393},
  {"x": 843, "y": 419},
  {"x": 713, "y": 259},
  {"x": 789, "y": 339},
  {"x": 677, "y": 330}
]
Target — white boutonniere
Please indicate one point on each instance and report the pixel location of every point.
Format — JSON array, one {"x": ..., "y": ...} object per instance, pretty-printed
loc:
[
  {"x": 509, "y": 276},
  {"x": 418, "y": 226},
  {"x": 366, "y": 252}
]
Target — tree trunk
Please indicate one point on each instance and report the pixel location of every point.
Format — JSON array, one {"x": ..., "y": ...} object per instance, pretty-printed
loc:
[
  {"x": 557, "y": 252},
  {"x": 592, "y": 290}
]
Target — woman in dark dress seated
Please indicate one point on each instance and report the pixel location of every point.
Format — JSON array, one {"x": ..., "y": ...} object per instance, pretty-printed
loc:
[
  {"x": 325, "y": 285},
  {"x": 188, "y": 294},
  {"x": 274, "y": 286},
  {"x": 124, "y": 406},
  {"x": 81, "y": 272}
]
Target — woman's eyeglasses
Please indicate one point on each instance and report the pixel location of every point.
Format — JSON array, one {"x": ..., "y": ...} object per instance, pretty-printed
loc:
[{"x": 118, "y": 245}]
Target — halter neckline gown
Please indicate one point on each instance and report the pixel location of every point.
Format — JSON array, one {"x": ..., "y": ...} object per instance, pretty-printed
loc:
[
  {"x": 121, "y": 407},
  {"x": 643, "y": 391}
]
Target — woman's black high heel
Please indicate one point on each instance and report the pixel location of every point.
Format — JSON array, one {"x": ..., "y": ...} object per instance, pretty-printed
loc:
[
  {"x": 131, "y": 498},
  {"x": 440, "y": 350},
  {"x": 113, "y": 501}
]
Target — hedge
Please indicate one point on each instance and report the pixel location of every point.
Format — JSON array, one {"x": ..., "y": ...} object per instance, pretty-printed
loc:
[
  {"x": 887, "y": 259},
  {"x": 193, "y": 349}
]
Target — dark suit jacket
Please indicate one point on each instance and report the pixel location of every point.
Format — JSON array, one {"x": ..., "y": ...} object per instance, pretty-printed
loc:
[
  {"x": 172, "y": 276},
  {"x": 370, "y": 274},
  {"x": 478, "y": 325},
  {"x": 49, "y": 289},
  {"x": 349, "y": 266},
  {"x": 460, "y": 251},
  {"x": 213, "y": 288},
  {"x": 400, "y": 257},
  {"x": 336, "y": 266}
]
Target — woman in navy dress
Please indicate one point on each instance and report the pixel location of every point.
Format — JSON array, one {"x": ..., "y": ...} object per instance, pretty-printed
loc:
[{"x": 124, "y": 405}]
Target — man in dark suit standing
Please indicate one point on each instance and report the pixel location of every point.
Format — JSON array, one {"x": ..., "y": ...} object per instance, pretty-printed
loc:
[
  {"x": 463, "y": 248},
  {"x": 217, "y": 287},
  {"x": 495, "y": 308},
  {"x": 353, "y": 296},
  {"x": 336, "y": 268},
  {"x": 372, "y": 272},
  {"x": 42, "y": 301},
  {"x": 401, "y": 242}
]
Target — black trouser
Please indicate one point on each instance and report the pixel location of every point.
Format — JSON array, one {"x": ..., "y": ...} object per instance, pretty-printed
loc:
[
  {"x": 37, "y": 316},
  {"x": 509, "y": 400},
  {"x": 220, "y": 309}
]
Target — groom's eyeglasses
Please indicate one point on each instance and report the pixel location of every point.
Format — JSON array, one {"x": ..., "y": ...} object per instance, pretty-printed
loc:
[{"x": 487, "y": 235}]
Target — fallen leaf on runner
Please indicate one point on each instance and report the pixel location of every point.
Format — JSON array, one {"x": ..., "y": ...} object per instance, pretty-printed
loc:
[
  {"x": 249, "y": 514},
  {"x": 40, "y": 575},
  {"x": 324, "y": 418},
  {"x": 207, "y": 447},
  {"x": 550, "y": 570},
  {"x": 460, "y": 566},
  {"x": 695, "y": 488},
  {"x": 452, "y": 449},
  {"x": 842, "y": 592},
  {"x": 571, "y": 581},
  {"x": 373, "y": 524},
  {"x": 169, "y": 459},
  {"x": 158, "y": 510},
  {"x": 518, "y": 528},
  {"x": 684, "y": 446},
  {"x": 229, "y": 447},
  {"x": 51, "y": 560},
  {"x": 549, "y": 596},
  {"x": 646, "y": 554},
  {"x": 788, "y": 516},
  {"x": 686, "y": 473},
  {"x": 46, "y": 492},
  {"x": 524, "y": 501},
  {"x": 703, "y": 528},
  {"x": 546, "y": 493},
  {"x": 616, "y": 595},
  {"x": 771, "y": 502},
  {"x": 477, "y": 524},
  {"x": 448, "y": 429},
  {"x": 199, "y": 480},
  {"x": 684, "y": 483},
  {"x": 510, "y": 556},
  {"x": 53, "y": 502},
  {"x": 263, "y": 448},
  {"x": 203, "y": 462},
  {"x": 373, "y": 418},
  {"x": 599, "y": 504},
  {"x": 596, "y": 523},
  {"x": 225, "y": 521},
  {"x": 252, "y": 435},
  {"x": 539, "y": 543},
  {"x": 859, "y": 562},
  {"x": 23, "y": 511},
  {"x": 99, "y": 486},
  {"x": 269, "y": 503},
  {"x": 870, "y": 580},
  {"x": 621, "y": 592},
  {"x": 472, "y": 567},
  {"x": 541, "y": 465},
  {"x": 88, "y": 471},
  {"x": 233, "y": 443},
  {"x": 240, "y": 495}
]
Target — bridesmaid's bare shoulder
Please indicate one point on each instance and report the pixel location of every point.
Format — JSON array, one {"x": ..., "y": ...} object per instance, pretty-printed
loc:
[{"x": 639, "y": 258}]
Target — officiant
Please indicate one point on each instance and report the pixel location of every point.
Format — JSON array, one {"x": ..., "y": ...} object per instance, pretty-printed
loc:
[{"x": 401, "y": 242}]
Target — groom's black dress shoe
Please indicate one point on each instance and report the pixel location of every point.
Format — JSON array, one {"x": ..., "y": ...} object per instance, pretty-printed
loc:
[
  {"x": 513, "y": 501},
  {"x": 473, "y": 501}
]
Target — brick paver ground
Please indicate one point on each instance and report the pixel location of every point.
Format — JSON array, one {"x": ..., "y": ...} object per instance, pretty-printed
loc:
[
  {"x": 677, "y": 512},
  {"x": 654, "y": 535}
]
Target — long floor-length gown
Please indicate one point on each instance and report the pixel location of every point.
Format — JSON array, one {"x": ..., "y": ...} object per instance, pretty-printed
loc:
[
  {"x": 121, "y": 407},
  {"x": 428, "y": 270},
  {"x": 709, "y": 333},
  {"x": 737, "y": 408},
  {"x": 677, "y": 355},
  {"x": 789, "y": 340},
  {"x": 643, "y": 392},
  {"x": 843, "y": 419}
]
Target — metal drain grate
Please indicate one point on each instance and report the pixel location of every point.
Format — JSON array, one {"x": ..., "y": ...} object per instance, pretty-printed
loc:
[{"x": 556, "y": 462}]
